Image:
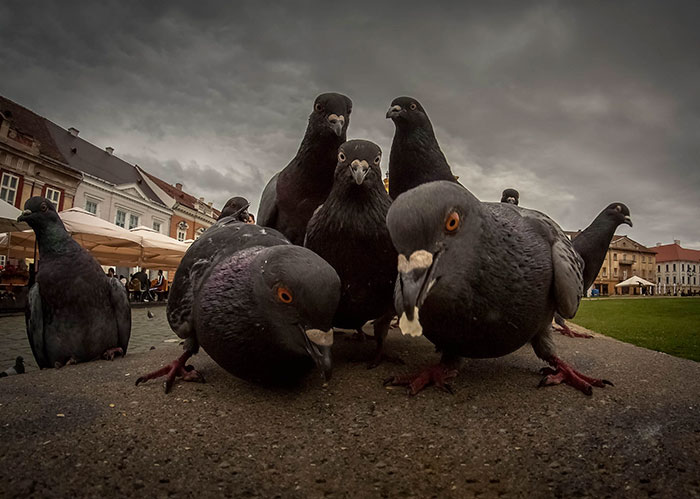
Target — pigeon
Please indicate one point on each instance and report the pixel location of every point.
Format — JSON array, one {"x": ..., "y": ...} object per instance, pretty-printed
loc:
[
  {"x": 258, "y": 305},
  {"x": 75, "y": 312},
  {"x": 480, "y": 280},
  {"x": 510, "y": 196},
  {"x": 592, "y": 245},
  {"x": 293, "y": 194},
  {"x": 349, "y": 232},
  {"x": 415, "y": 156},
  {"x": 18, "y": 368},
  {"x": 150, "y": 315},
  {"x": 236, "y": 207}
]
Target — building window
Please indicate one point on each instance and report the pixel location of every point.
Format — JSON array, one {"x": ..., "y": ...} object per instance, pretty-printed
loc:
[
  {"x": 615, "y": 271},
  {"x": 54, "y": 196},
  {"x": 199, "y": 232},
  {"x": 181, "y": 235},
  {"x": 634, "y": 258},
  {"x": 674, "y": 279},
  {"x": 674, "y": 267},
  {"x": 667, "y": 267},
  {"x": 3, "y": 259},
  {"x": 624, "y": 257},
  {"x": 658, "y": 268},
  {"x": 156, "y": 226},
  {"x": 682, "y": 267},
  {"x": 666, "y": 279},
  {"x": 605, "y": 271},
  {"x": 615, "y": 256},
  {"x": 694, "y": 280},
  {"x": 121, "y": 218},
  {"x": 8, "y": 188},
  {"x": 683, "y": 279},
  {"x": 91, "y": 206},
  {"x": 133, "y": 221},
  {"x": 644, "y": 259}
]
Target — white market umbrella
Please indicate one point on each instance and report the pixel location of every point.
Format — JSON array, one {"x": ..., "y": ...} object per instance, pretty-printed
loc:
[
  {"x": 634, "y": 281},
  {"x": 8, "y": 218},
  {"x": 158, "y": 250}
]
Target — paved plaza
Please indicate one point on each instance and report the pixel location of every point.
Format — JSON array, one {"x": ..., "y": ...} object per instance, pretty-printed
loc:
[
  {"x": 87, "y": 431},
  {"x": 145, "y": 333}
]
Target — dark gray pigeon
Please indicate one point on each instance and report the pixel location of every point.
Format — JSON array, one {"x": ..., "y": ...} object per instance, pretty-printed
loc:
[
  {"x": 18, "y": 368},
  {"x": 259, "y": 306},
  {"x": 592, "y": 244},
  {"x": 75, "y": 312},
  {"x": 236, "y": 207},
  {"x": 510, "y": 196},
  {"x": 416, "y": 157},
  {"x": 481, "y": 280},
  {"x": 292, "y": 195},
  {"x": 349, "y": 232}
]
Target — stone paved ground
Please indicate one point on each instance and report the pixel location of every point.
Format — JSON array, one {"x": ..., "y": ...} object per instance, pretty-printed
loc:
[
  {"x": 145, "y": 333},
  {"x": 87, "y": 431}
]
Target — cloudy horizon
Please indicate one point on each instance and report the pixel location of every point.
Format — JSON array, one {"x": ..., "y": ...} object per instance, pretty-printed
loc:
[{"x": 574, "y": 104}]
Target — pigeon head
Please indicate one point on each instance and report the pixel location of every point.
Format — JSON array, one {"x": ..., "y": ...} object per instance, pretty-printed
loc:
[
  {"x": 510, "y": 196},
  {"x": 331, "y": 114},
  {"x": 39, "y": 213},
  {"x": 426, "y": 225},
  {"x": 298, "y": 293},
  {"x": 617, "y": 213},
  {"x": 407, "y": 111},
  {"x": 358, "y": 160},
  {"x": 236, "y": 207}
]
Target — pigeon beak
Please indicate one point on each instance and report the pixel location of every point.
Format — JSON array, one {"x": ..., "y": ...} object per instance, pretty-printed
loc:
[
  {"x": 415, "y": 280},
  {"x": 336, "y": 123},
  {"x": 359, "y": 170},
  {"x": 318, "y": 345},
  {"x": 628, "y": 220},
  {"x": 393, "y": 112},
  {"x": 23, "y": 216}
]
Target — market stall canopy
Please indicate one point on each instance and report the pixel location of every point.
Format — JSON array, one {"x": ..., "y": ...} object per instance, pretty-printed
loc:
[
  {"x": 108, "y": 243},
  {"x": 158, "y": 250},
  {"x": 634, "y": 281},
  {"x": 8, "y": 218}
]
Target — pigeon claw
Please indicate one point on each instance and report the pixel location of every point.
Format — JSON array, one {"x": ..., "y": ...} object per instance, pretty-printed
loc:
[
  {"x": 175, "y": 369},
  {"x": 567, "y": 331},
  {"x": 112, "y": 352},
  {"x": 437, "y": 375},
  {"x": 564, "y": 373}
]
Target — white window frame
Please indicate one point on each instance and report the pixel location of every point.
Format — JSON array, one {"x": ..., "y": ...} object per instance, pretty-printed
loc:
[
  {"x": 97, "y": 205},
  {"x": 116, "y": 219},
  {"x": 50, "y": 193},
  {"x": 133, "y": 217},
  {"x": 181, "y": 235},
  {"x": 8, "y": 188},
  {"x": 160, "y": 225},
  {"x": 3, "y": 260}
]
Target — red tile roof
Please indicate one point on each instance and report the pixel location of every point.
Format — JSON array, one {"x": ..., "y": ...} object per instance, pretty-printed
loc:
[
  {"x": 30, "y": 123},
  {"x": 180, "y": 196},
  {"x": 674, "y": 252}
]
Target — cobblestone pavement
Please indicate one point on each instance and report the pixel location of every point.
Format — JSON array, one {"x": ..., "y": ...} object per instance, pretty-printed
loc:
[{"x": 145, "y": 333}]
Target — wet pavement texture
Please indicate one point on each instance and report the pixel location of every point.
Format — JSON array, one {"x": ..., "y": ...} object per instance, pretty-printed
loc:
[{"x": 86, "y": 430}]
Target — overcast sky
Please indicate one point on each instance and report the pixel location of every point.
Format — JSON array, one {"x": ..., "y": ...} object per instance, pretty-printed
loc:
[{"x": 575, "y": 104}]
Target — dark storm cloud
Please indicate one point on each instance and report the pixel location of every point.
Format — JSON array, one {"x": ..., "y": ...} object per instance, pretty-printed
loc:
[{"x": 575, "y": 104}]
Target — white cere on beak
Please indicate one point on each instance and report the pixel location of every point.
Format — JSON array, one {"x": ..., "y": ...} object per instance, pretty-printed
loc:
[
  {"x": 411, "y": 328},
  {"x": 357, "y": 163},
  {"x": 335, "y": 117},
  {"x": 395, "y": 108},
  {"x": 420, "y": 259},
  {"x": 322, "y": 338}
]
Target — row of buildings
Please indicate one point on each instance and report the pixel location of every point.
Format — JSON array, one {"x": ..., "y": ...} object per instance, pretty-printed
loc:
[{"x": 41, "y": 158}]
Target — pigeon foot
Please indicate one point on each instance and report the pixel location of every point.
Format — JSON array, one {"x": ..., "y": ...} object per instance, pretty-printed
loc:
[
  {"x": 564, "y": 373},
  {"x": 567, "y": 331},
  {"x": 437, "y": 375},
  {"x": 176, "y": 368},
  {"x": 112, "y": 352}
]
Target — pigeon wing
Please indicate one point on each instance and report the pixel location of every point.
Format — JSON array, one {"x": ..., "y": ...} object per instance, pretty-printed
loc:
[
  {"x": 122, "y": 312},
  {"x": 567, "y": 265},
  {"x": 35, "y": 326},
  {"x": 267, "y": 211}
]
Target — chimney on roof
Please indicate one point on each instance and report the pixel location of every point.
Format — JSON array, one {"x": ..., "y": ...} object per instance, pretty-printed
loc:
[
  {"x": 210, "y": 203},
  {"x": 201, "y": 200},
  {"x": 73, "y": 131},
  {"x": 677, "y": 241},
  {"x": 178, "y": 186},
  {"x": 110, "y": 150}
]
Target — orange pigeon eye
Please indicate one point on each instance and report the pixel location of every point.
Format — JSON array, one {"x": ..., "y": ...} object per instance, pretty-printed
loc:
[
  {"x": 284, "y": 295},
  {"x": 341, "y": 156},
  {"x": 43, "y": 207},
  {"x": 452, "y": 222},
  {"x": 413, "y": 106}
]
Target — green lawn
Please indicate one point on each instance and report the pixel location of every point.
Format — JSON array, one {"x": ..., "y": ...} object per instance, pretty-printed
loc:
[{"x": 670, "y": 325}]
